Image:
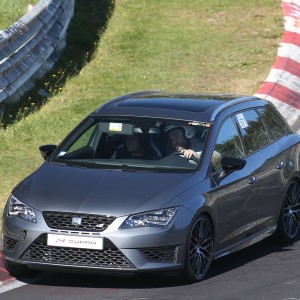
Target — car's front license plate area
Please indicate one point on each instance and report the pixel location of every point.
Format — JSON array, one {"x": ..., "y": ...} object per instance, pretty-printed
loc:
[{"x": 72, "y": 241}]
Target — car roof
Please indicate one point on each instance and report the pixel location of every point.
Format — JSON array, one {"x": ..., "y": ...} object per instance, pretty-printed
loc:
[{"x": 184, "y": 106}]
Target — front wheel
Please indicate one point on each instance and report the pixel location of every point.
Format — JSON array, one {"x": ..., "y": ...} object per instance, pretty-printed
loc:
[
  {"x": 289, "y": 219},
  {"x": 199, "y": 250}
]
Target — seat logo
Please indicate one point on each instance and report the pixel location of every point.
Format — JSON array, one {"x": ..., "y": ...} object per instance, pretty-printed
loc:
[{"x": 76, "y": 221}]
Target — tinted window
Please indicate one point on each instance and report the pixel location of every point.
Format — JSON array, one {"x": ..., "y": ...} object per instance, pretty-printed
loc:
[
  {"x": 228, "y": 144},
  {"x": 253, "y": 130},
  {"x": 275, "y": 124}
]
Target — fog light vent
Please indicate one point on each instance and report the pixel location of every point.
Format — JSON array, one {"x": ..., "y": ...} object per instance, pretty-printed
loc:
[
  {"x": 9, "y": 244},
  {"x": 165, "y": 254}
]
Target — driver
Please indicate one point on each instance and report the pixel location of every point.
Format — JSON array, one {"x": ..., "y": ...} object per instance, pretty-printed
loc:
[{"x": 181, "y": 137}]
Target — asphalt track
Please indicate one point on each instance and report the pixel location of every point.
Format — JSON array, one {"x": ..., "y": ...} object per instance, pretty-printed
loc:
[{"x": 266, "y": 270}]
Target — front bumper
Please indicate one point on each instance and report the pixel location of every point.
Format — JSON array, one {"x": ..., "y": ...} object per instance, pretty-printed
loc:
[{"x": 126, "y": 250}]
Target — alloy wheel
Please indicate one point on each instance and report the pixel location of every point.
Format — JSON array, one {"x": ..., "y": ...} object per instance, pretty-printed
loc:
[
  {"x": 200, "y": 248},
  {"x": 291, "y": 210}
]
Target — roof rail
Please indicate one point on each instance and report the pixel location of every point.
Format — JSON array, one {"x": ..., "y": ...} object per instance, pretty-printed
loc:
[
  {"x": 127, "y": 96},
  {"x": 230, "y": 103}
]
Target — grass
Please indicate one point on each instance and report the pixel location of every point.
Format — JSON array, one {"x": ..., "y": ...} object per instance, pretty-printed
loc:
[
  {"x": 12, "y": 11},
  {"x": 116, "y": 47}
]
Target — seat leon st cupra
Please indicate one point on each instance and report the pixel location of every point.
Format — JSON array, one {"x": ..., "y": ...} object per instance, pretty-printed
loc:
[{"x": 153, "y": 181}]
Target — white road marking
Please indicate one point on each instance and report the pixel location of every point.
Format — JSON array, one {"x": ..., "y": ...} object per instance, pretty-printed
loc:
[{"x": 14, "y": 284}]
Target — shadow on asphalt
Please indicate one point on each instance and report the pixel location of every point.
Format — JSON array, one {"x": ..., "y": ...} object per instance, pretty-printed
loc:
[
  {"x": 247, "y": 255},
  {"x": 150, "y": 281}
]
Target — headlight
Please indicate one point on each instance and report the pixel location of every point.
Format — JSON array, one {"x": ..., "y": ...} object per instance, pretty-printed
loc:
[
  {"x": 18, "y": 208},
  {"x": 162, "y": 218}
]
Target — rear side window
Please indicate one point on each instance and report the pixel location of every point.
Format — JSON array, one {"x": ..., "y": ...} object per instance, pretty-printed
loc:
[
  {"x": 253, "y": 130},
  {"x": 276, "y": 126}
]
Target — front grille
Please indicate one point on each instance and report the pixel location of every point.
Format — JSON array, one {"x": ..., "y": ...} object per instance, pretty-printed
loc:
[
  {"x": 63, "y": 221},
  {"x": 9, "y": 244},
  {"x": 165, "y": 254},
  {"x": 110, "y": 257}
]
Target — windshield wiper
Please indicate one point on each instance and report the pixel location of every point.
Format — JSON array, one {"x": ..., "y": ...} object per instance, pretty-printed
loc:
[{"x": 69, "y": 164}]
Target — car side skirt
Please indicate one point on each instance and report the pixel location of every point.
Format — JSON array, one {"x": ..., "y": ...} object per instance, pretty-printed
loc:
[{"x": 255, "y": 238}]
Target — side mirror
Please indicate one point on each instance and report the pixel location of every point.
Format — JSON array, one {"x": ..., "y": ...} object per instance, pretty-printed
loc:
[
  {"x": 46, "y": 150},
  {"x": 230, "y": 164}
]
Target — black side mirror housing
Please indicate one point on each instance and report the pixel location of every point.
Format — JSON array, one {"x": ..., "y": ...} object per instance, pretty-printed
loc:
[
  {"x": 230, "y": 164},
  {"x": 46, "y": 150}
]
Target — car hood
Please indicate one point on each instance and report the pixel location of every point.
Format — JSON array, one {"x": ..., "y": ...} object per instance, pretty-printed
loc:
[{"x": 97, "y": 191}]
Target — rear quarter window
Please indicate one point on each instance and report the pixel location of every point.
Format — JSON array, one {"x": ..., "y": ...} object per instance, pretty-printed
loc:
[{"x": 274, "y": 122}]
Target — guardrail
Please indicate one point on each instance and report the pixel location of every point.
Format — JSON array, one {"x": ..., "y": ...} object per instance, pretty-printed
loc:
[{"x": 29, "y": 48}]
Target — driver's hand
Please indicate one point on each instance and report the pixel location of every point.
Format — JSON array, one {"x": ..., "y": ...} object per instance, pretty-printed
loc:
[{"x": 188, "y": 153}]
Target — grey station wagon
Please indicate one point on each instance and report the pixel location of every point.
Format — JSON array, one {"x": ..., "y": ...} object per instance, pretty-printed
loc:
[{"x": 153, "y": 181}]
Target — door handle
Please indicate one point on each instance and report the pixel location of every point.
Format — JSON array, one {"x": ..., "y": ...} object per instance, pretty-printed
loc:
[
  {"x": 280, "y": 165},
  {"x": 251, "y": 180}
]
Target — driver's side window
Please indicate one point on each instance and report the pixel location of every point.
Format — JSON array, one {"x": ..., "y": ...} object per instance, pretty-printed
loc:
[
  {"x": 228, "y": 144},
  {"x": 84, "y": 146}
]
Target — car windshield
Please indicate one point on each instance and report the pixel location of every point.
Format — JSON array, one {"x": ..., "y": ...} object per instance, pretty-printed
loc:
[{"x": 134, "y": 143}]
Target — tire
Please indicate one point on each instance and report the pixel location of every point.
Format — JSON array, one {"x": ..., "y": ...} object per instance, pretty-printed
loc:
[
  {"x": 289, "y": 219},
  {"x": 199, "y": 250},
  {"x": 16, "y": 270}
]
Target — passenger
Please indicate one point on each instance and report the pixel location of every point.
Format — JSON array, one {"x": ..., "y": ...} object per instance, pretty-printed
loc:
[{"x": 135, "y": 147}]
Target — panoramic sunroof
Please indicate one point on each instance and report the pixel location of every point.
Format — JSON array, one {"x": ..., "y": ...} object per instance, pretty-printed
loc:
[{"x": 192, "y": 105}]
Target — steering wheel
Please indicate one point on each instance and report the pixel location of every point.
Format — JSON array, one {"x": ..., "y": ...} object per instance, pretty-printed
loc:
[
  {"x": 177, "y": 159},
  {"x": 195, "y": 159}
]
